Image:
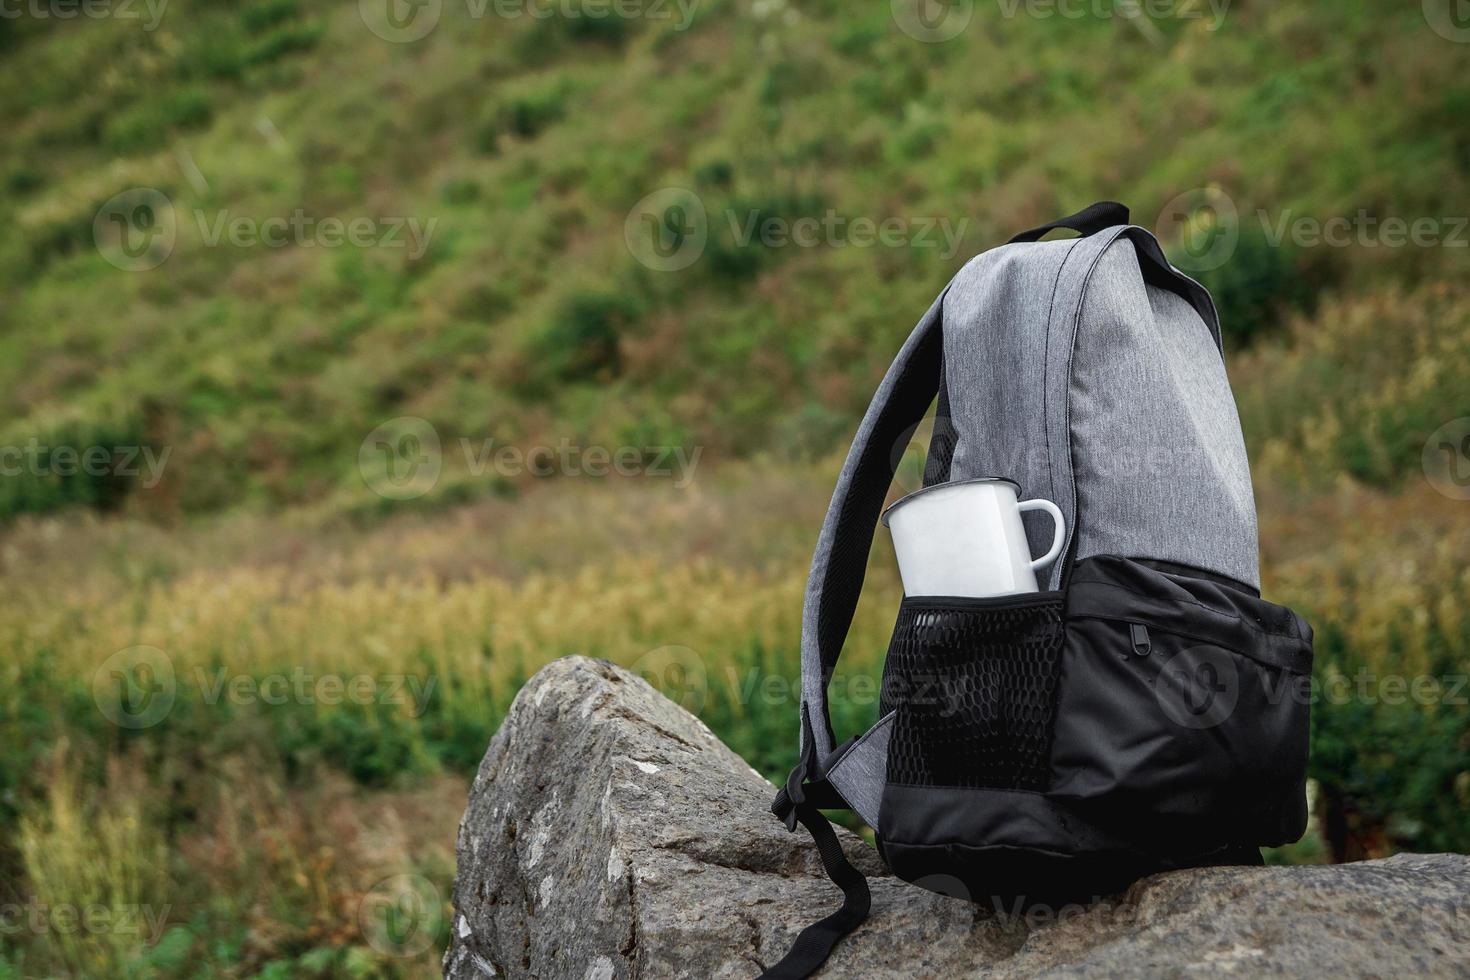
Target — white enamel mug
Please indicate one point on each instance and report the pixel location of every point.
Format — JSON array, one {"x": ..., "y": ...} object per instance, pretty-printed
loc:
[{"x": 966, "y": 539}]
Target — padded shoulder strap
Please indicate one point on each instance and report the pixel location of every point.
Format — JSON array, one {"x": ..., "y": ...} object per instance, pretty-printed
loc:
[{"x": 841, "y": 558}]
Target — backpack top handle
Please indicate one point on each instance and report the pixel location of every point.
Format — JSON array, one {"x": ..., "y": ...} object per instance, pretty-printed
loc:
[
  {"x": 1155, "y": 266},
  {"x": 1089, "y": 221}
]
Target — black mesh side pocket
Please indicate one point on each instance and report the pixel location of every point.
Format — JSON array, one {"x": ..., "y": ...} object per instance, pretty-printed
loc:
[{"x": 973, "y": 684}]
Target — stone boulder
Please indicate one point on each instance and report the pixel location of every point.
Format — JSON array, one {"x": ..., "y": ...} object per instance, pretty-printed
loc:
[{"x": 610, "y": 834}]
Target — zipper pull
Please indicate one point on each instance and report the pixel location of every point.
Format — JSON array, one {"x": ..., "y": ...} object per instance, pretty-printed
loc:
[{"x": 1139, "y": 634}]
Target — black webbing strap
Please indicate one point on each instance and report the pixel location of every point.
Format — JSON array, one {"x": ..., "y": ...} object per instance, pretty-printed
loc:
[
  {"x": 1089, "y": 221},
  {"x": 816, "y": 941}
]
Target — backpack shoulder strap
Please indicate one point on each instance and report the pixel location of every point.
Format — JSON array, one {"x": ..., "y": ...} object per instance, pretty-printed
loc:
[
  {"x": 841, "y": 560},
  {"x": 838, "y": 569}
]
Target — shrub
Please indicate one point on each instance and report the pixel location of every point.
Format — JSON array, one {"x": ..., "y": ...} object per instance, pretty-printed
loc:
[
  {"x": 527, "y": 117},
  {"x": 1391, "y": 707},
  {"x": 1261, "y": 283},
  {"x": 717, "y": 174},
  {"x": 735, "y": 254},
  {"x": 523, "y": 116},
  {"x": 581, "y": 26},
  {"x": 459, "y": 190},
  {"x": 214, "y": 54},
  {"x": 1357, "y": 390},
  {"x": 287, "y": 40},
  {"x": 856, "y": 39},
  {"x": 793, "y": 78},
  {"x": 23, "y": 180},
  {"x": 50, "y": 471},
  {"x": 1372, "y": 801},
  {"x": 149, "y": 123},
  {"x": 267, "y": 13},
  {"x": 581, "y": 342}
]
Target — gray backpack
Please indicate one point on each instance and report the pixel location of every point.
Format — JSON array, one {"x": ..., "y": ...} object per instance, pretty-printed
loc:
[{"x": 1146, "y": 710}]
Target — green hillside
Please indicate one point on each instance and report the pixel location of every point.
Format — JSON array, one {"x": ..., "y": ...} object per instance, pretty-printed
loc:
[{"x": 517, "y": 147}]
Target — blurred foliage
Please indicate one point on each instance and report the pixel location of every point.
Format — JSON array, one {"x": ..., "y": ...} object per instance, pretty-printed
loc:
[
  {"x": 620, "y": 570},
  {"x": 1262, "y": 284},
  {"x": 517, "y": 314},
  {"x": 75, "y": 466},
  {"x": 1359, "y": 391},
  {"x": 1391, "y": 715},
  {"x": 527, "y": 144}
]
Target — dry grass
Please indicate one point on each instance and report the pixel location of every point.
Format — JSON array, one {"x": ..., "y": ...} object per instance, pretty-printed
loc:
[{"x": 262, "y": 827}]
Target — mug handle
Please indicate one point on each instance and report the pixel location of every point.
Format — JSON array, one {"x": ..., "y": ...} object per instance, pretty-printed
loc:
[{"x": 1056, "y": 517}]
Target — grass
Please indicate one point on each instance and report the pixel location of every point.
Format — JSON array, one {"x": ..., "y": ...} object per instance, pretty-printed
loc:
[
  {"x": 448, "y": 613},
  {"x": 228, "y": 813},
  {"x": 527, "y": 144}
]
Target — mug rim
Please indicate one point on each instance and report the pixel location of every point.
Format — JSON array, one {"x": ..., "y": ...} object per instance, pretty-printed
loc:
[{"x": 888, "y": 512}]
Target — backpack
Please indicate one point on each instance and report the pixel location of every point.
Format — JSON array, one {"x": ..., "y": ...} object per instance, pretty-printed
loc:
[{"x": 1147, "y": 709}]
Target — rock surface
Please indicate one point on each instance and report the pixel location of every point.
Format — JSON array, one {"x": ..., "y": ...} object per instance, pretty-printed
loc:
[{"x": 610, "y": 834}]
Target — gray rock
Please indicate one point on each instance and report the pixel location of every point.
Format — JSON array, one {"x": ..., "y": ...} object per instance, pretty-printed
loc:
[{"x": 610, "y": 834}]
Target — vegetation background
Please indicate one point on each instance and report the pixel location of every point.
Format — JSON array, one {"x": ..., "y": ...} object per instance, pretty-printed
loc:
[{"x": 153, "y": 615}]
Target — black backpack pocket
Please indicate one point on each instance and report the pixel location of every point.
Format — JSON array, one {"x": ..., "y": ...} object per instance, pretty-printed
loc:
[
  {"x": 972, "y": 683},
  {"x": 1182, "y": 708}
]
